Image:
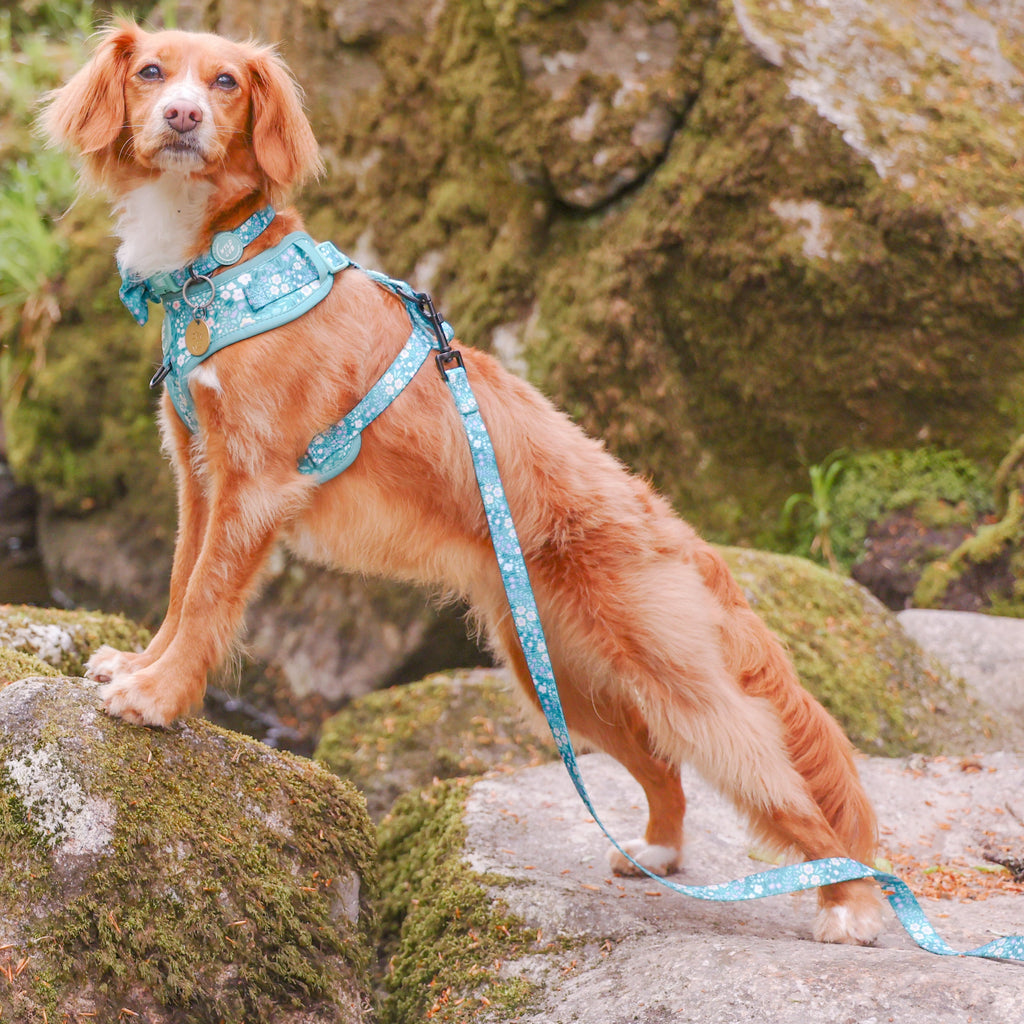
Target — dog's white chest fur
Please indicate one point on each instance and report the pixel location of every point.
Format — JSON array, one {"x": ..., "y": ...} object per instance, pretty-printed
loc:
[{"x": 159, "y": 222}]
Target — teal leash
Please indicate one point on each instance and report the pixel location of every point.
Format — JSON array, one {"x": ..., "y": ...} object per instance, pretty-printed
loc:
[{"x": 523, "y": 607}]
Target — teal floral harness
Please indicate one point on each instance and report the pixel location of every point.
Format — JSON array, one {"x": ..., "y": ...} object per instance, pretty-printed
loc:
[
  {"x": 283, "y": 283},
  {"x": 273, "y": 288}
]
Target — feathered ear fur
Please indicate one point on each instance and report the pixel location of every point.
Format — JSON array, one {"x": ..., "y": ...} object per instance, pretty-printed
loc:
[
  {"x": 87, "y": 115},
  {"x": 282, "y": 139}
]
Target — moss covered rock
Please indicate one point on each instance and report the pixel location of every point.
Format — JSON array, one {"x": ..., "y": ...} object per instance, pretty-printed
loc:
[
  {"x": 64, "y": 640},
  {"x": 450, "y": 939},
  {"x": 725, "y": 237},
  {"x": 852, "y": 654},
  {"x": 187, "y": 875},
  {"x": 448, "y": 725},
  {"x": 15, "y": 665}
]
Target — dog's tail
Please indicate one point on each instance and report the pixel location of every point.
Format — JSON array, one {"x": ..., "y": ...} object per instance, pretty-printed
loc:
[{"x": 817, "y": 746}]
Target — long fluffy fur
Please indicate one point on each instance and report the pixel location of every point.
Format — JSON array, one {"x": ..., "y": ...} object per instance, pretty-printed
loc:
[{"x": 659, "y": 659}]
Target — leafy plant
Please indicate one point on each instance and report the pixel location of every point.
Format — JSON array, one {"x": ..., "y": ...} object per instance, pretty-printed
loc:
[{"x": 815, "y": 508}]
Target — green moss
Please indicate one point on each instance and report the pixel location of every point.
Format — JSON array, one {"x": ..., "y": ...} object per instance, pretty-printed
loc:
[
  {"x": 16, "y": 665},
  {"x": 224, "y": 861},
  {"x": 81, "y": 427},
  {"x": 397, "y": 740},
  {"x": 451, "y": 945},
  {"x": 850, "y": 652},
  {"x": 989, "y": 544},
  {"x": 66, "y": 639}
]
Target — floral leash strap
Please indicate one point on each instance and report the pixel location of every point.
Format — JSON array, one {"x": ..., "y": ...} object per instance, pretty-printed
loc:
[{"x": 777, "y": 881}]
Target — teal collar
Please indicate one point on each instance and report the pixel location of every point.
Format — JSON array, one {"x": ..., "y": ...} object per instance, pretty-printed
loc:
[{"x": 225, "y": 250}]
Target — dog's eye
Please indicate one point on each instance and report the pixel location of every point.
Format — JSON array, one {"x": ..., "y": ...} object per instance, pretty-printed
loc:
[
  {"x": 225, "y": 81},
  {"x": 151, "y": 73}
]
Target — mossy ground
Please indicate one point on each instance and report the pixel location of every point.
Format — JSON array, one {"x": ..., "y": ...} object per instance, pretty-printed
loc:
[
  {"x": 222, "y": 895},
  {"x": 450, "y": 945}
]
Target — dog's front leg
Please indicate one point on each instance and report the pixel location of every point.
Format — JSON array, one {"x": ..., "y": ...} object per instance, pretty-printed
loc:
[
  {"x": 240, "y": 527},
  {"x": 193, "y": 510}
]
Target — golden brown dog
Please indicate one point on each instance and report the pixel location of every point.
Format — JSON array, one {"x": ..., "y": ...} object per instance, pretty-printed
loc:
[{"x": 658, "y": 658}]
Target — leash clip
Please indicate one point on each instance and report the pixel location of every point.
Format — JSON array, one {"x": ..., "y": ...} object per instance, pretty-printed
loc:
[{"x": 446, "y": 355}]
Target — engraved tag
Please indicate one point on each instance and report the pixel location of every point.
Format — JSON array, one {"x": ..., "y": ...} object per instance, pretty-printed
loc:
[{"x": 197, "y": 337}]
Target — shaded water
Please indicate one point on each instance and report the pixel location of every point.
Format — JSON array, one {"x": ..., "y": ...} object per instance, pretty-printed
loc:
[
  {"x": 24, "y": 581},
  {"x": 22, "y": 573}
]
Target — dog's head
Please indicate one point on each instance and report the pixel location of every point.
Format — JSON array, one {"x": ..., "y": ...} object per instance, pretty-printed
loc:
[{"x": 184, "y": 103}]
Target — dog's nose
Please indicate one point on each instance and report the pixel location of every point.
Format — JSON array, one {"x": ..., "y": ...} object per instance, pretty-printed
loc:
[{"x": 182, "y": 116}]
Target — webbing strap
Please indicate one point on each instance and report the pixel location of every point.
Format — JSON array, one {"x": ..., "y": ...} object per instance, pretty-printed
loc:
[
  {"x": 523, "y": 607},
  {"x": 335, "y": 448}
]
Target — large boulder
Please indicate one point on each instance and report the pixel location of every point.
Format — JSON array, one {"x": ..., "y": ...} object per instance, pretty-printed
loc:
[
  {"x": 170, "y": 876},
  {"x": 505, "y": 882},
  {"x": 727, "y": 238}
]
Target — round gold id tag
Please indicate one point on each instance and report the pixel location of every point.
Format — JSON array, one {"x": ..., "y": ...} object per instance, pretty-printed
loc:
[{"x": 197, "y": 337}]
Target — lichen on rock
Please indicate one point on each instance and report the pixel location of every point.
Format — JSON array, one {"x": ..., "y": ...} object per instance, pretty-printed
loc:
[
  {"x": 182, "y": 875},
  {"x": 64, "y": 640}
]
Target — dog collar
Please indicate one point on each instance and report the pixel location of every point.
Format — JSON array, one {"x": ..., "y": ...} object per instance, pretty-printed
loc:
[{"x": 225, "y": 250}]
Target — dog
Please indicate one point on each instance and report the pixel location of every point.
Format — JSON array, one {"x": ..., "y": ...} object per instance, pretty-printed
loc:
[{"x": 658, "y": 657}]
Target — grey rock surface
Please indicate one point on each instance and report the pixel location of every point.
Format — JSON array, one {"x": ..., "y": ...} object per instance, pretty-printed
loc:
[
  {"x": 636, "y": 952},
  {"x": 986, "y": 651}
]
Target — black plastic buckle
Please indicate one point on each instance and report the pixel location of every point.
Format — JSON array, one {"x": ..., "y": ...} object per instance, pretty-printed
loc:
[
  {"x": 426, "y": 304},
  {"x": 449, "y": 355},
  {"x": 158, "y": 378}
]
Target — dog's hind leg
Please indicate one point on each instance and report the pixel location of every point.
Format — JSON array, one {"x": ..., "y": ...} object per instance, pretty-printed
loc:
[
  {"x": 750, "y": 764},
  {"x": 619, "y": 730}
]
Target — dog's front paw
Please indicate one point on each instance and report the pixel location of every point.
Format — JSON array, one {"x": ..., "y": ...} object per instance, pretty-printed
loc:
[
  {"x": 144, "y": 698},
  {"x": 659, "y": 860},
  {"x": 857, "y": 920},
  {"x": 106, "y": 662}
]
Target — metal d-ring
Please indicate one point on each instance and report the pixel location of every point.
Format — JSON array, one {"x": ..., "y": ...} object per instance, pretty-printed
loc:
[{"x": 198, "y": 279}]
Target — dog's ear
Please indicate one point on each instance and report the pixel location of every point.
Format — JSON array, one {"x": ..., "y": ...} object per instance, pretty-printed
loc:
[
  {"x": 282, "y": 139},
  {"x": 87, "y": 115}
]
